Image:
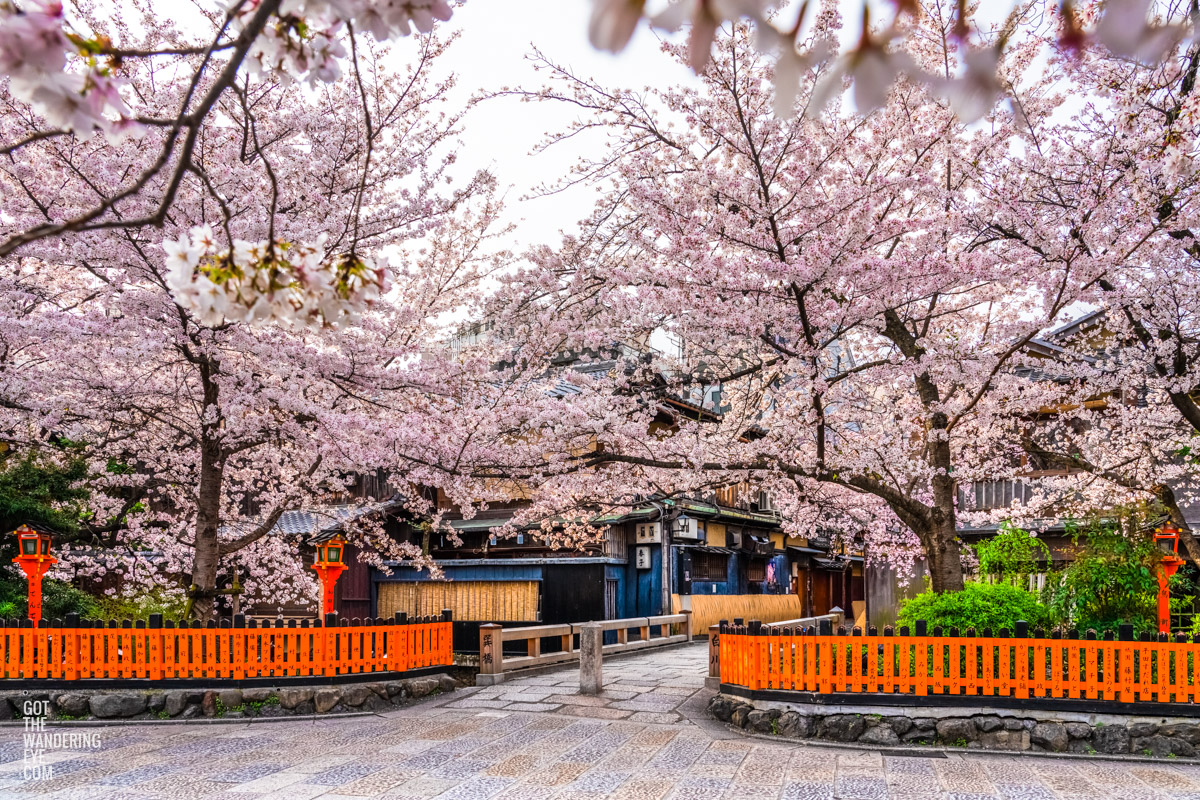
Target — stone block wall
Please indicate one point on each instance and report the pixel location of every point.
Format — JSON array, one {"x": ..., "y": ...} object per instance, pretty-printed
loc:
[
  {"x": 1005, "y": 730},
  {"x": 224, "y": 703}
]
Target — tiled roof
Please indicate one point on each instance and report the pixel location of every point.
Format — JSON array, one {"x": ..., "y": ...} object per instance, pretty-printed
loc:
[
  {"x": 306, "y": 522},
  {"x": 332, "y": 524}
]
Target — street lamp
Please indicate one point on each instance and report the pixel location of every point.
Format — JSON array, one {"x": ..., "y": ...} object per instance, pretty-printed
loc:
[
  {"x": 1167, "y": 539},
  {"x": 329, "y": 565},
  {"x": 33, "y": 556}
]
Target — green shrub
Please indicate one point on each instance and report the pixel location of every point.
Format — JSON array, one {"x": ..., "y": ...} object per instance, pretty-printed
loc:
[
  {"x": 141, "y": 606},
  {"x": 1113, "y": 580},
  {"x": 1011, "y": 552},
  {"x": 40, "y": 491},
  {"x": 58, "y": 598},
  {"x": 978, "y": 606}
]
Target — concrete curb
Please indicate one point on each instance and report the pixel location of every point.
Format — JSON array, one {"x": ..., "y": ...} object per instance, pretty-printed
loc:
[{"x": 917, "y": 751}]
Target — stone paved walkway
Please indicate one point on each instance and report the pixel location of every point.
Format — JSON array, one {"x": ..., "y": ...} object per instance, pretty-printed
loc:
[{"x": 648, "y": 738}]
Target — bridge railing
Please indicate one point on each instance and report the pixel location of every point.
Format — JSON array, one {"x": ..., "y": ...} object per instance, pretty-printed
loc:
[
  {"x": 1059, "y": 666},
  {"x": 649, "y": 632},
  {"x": 229, "y": 649}
]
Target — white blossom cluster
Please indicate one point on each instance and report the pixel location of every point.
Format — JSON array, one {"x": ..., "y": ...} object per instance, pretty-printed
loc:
[
  {"x": 291, "y": 284},
  {"x": 34, "y": 46},
  {"x": 1125, "y": 28},
  {"x": 306, "y": 40}
]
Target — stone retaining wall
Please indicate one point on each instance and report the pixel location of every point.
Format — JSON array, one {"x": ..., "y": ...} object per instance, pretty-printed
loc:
[
  {"x": 1002, "y": 730},
  {"x": 224, "y": 703}
]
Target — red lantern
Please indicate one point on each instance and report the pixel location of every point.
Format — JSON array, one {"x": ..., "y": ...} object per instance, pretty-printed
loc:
[
  {"x": 1167, "y": 539},
  {"x": 33, "y": 556},
  {"x": 330, "y": 565}
]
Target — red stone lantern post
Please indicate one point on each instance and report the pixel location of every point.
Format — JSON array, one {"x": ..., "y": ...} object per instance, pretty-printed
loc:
[
  {"x": 33, "y": 556},
  {"x": 329, "y": 566},
  {"x": 1167, "y": 539}
]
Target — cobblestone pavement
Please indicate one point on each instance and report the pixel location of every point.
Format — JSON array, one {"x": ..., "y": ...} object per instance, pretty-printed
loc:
[{"x": 647, "y": 738}]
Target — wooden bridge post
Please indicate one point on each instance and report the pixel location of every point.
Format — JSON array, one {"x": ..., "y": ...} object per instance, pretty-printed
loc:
[
  {"x": 714, "y": 649},
  {"x": 491, "y": 654},
  {"x": 591, "y": 658}
]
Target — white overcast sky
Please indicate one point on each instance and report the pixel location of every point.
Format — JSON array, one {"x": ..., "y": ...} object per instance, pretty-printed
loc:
[{"x": 500, "y": 134}]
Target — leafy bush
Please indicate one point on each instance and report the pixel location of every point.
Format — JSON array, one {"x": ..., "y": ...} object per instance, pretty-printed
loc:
[
  {"x": 142, "y": 606},
  {"x": 58, "y": 598},
  {"x": 1113, "y": 580},
  {"x": 978, "y": 606},
  {"x": 39, "y": 491},
  {"x": 1012, "y": 551}
]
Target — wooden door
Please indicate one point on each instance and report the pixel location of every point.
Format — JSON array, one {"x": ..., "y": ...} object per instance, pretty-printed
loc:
[
  {"x": 803, "y": 578},
  {"x": 822, "y": 599}
]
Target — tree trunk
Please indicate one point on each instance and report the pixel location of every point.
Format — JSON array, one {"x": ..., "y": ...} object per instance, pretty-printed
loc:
[
  {"x": 935, "y": 527},
  {"x": 944, "y": 555},
  {"x": 207, "y": 556},
  {"x": 942, "y": 547}
]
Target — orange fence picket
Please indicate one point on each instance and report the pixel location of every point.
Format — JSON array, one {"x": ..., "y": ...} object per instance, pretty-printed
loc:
[
  {"x": 94, "y": 651},
  {"x": 1126, "y": 671}
]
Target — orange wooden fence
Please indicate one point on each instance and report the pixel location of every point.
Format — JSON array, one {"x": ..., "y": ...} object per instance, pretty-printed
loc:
[
  {"x": 223, "y": 651},
  {"x": 1060, "y": 668}
]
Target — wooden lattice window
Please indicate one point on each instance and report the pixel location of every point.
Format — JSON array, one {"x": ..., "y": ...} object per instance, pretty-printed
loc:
[{"x": 710, "y": 567}]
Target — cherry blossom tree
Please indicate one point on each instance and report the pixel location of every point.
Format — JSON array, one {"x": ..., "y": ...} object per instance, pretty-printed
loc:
[
  {"x": 1112, "y": 184},
  {"x": 848, "y": 280},
  {"x": 1140, "y": 30},
  {"x": 69, "y": 69},
  {"x": 201, "y": 426},
  {"x": 74, "y": 73}
]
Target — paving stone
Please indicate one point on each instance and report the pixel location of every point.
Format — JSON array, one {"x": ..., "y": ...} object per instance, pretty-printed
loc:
[
  {"x": 578, "y": 699},
  {"x": 595, "y": 712},
  {"x": 540, "y": 707},
  {"x": 655, "y": 717},
  {"x": 498, "y": 703}
]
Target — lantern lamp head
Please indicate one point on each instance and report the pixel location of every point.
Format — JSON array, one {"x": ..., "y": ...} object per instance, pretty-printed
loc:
[
  {"x": 32, "y": 543},
  {"x": 1167, "y": 538},
  {"x": 332, "y": 552}
]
